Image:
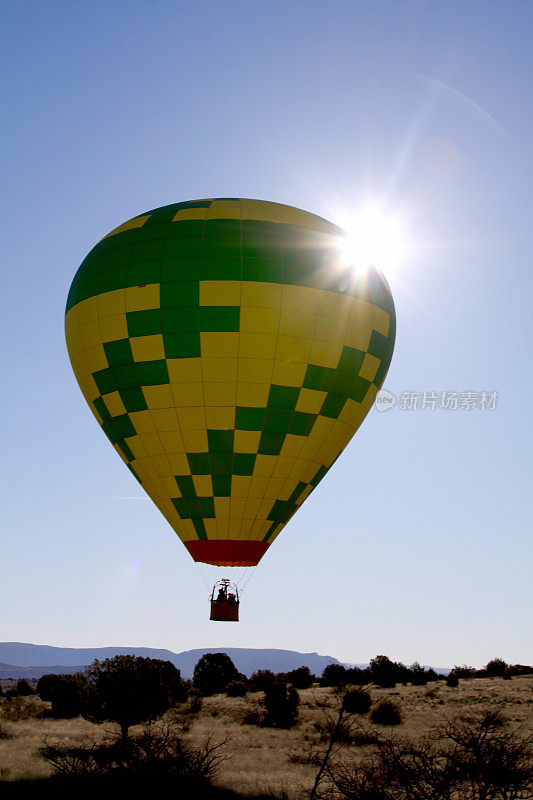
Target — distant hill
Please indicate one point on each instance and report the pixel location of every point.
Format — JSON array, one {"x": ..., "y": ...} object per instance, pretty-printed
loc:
[
  {"x": 21, "y": 660},
  {"x": 17, "y": 673}
]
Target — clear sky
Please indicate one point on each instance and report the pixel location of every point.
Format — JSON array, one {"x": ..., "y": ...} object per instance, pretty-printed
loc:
[{"x": 417, "y": 543}]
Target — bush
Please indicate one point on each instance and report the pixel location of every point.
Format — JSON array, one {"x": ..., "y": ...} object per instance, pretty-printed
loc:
[
  {"x": 357, "y": 676},
  {"x": 154, "y": 754},
  {"x": 468, "y": 758},
  {"x": 17, "y": 708},
  {"x": 24, "y": 688},
  {"x": 418, "y": 675},
  {"x": 10, "y": 694},
  {"x": 464, "y": 671},
  {"x": 281, "y": 705},
  {"x": 237, "y": 688},
  {"x": 452, "y": 680},
  {"x": 387, "y": 673},
  {"x": 261, "y": 679},
  {"x": 46, "y": 684},
  {"x": 496, "y": 668},
  {"x": 252, "y": 716},
  {"x": 386, "y": 712},
  {"x": 520, "y": 669},
  {"x": 4, "y": 733},
  {"x": 213, "y": 672},
  {"x": 69, "y": 696},
  {"x": 300, "y": 678},
  {"x": 334, "y": 675},
  {"x": 356, "y": 700}
]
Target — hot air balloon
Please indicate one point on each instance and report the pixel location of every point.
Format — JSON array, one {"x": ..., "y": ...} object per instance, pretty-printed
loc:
[{"x": 229, "y": 353}]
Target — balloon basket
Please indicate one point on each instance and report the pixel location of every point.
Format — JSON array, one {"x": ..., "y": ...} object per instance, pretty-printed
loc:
[{"x": 224, "y": 602}]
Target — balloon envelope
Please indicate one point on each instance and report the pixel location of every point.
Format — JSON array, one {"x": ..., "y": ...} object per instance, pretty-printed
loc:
[{"x": 229, "y": 355}]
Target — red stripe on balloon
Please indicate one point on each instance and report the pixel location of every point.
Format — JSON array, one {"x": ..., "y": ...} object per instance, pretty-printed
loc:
[{"x": 227, "y": 552}]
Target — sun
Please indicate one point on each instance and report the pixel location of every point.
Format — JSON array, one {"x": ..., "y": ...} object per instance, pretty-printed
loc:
[{"x": 376, "y": 238}]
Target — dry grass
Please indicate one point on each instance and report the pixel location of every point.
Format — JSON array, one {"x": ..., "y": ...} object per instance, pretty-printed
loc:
[{"x": 271, "y": 760}]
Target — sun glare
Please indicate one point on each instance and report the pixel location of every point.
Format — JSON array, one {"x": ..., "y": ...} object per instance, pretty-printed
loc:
[{"x": 374, "y": 238}]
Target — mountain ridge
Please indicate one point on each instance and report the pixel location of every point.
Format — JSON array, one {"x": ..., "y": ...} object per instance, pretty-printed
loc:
[
  {"x": 26, "y": 660},
  {"x": 36, "y": 660}
]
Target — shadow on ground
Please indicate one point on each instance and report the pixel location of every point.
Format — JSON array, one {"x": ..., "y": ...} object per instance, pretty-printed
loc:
[{"x": 100, "y": 786}]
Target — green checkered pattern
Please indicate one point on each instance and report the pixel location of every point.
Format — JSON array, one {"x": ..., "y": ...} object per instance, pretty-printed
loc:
[{"x": 178, "y": 255}]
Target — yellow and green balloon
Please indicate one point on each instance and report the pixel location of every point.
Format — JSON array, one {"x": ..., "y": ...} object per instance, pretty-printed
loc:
[{"x": 230, "y": 355}]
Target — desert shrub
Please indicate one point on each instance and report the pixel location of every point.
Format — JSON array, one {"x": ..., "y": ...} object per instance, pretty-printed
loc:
[
  {"x": 69, "y": 696},
  {"x": 492, "y": 755},
  {"x": 154, "y": 753},
  {"x": 495, "y": 668},
  {"x": 520, "y": 669},
  {"x": 307, "y": 755},
  {"x": 357, "y": 676},
  {"x": 387, "y": 673},
  {"x": 261, "y": 679},
  {"x": 452, "y": 680},
  {"x": 386, "y": 712},
  {"x": 194, "y": 702},
  {"x": 281, "y": 705},
  {"x": 4, "y": 733},
  {"x": 300, "y": 678},
  {"x": 334, "y": 675},
  {"x": 252, "y": 716},
  {"x": 468, "y": 758},
  {"x": 1, "y": 690},
  {"x": 237, "y": 688},
  {"x": 10, "y": 694},
  {"x": 463, "y": 672},
  {"x": 46, "y": 684},
  {"x": 24, "y": 688},
  {"x": 356, "y": 700},
  {"x": 418, "y": 676},
  {"x": 17, "y": 708},
  {"x": 164, "y": 752},
  {"x": 213, "y": 672}
]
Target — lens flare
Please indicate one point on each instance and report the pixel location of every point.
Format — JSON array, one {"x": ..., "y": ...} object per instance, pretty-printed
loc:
[{"x": 374, "y": 238}]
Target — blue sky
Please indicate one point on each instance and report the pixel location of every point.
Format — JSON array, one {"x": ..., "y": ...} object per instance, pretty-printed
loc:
[{"x": 416, "y": 544}]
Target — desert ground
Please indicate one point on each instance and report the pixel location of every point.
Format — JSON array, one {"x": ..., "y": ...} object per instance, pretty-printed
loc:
[{"x": 267, "y": 760}]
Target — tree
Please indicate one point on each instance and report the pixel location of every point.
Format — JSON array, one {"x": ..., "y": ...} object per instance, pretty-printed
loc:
[
  {"x": 301, "y": 678},
  {"x": 213, "y": 672},
  {"x": 129, "y": 689},
  {"x": 387, "y": 673}
]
